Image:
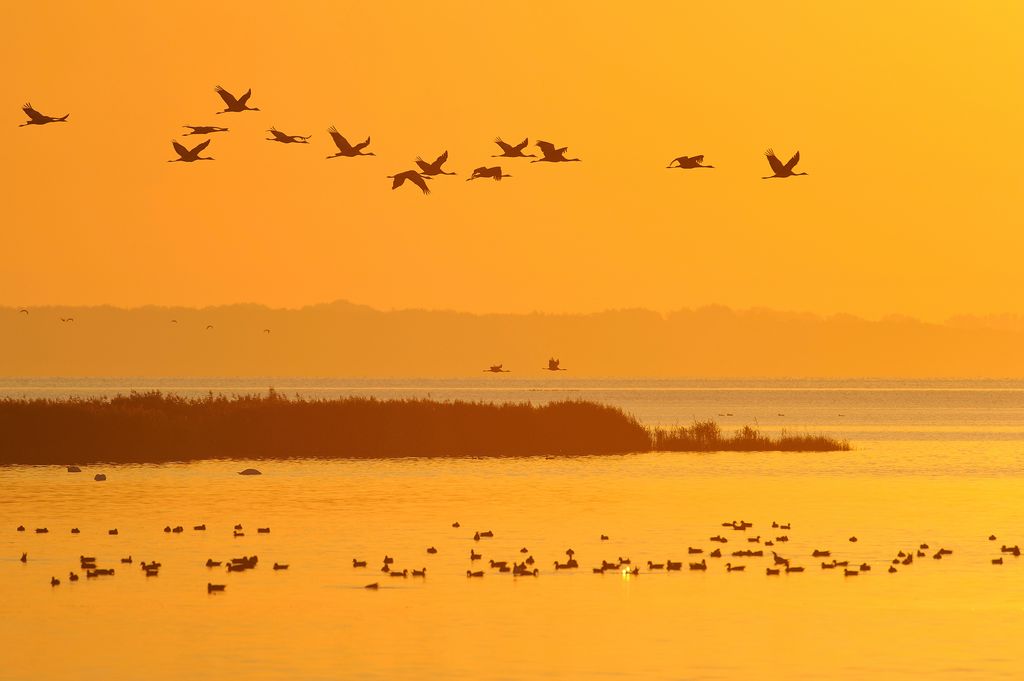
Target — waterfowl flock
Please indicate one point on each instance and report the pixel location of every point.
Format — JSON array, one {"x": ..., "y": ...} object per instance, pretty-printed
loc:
[
  {"x": 549, "y": 151},
  {"x": 778, "y": 564}
]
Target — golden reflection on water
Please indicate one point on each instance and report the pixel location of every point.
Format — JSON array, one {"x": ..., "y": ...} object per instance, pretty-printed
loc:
[{"x": 959, "y": 617}]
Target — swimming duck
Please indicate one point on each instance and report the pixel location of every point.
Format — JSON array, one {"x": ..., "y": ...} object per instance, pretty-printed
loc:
[
  {"x": 997, "y": 561},
  {"x": 358, "y": 563},
  {"x": 771, "y": 571},
  {"x": 729, "y": 567},
  {"x": 892, "y": 568},
  {"x": 431, "y": 549},
  {"x": 388, "y": 559},
  {"x": 199, "y": 528},
  {"x": 280, "y": 566},
  {"x": 754, "y": 540},
  {"x": 42, "y": 530},
  {"x": 523, "y": 550},
  {"x": 112, "y": 532},
  {"x": 794, "y": 569},
  {"x": 821, "y": 554},
  {"x": 498, "y": 563},
  {"x": 719, "y": 538},
  {"x": 210, "y": 562},
  {"x": 54, "y": 581},
  {"x": 655, "y": 566},
  {"x": 604, "y": 537},
  {"x": 262, "y": 530},
  {"x": 475, "y": 556},
  {"x": 864, "y": 567},
  {"x": 373, "y": 586},
  {"x": 702, "y": 565},
  {"x": 853, "y": 539},
  {"x": 850, "y": 573},
  {"x": 127, "y": 560},
  {"x": 210, "y": 587},
  {"x": 717, "y": 553},
  {"x": 72, "y": 577},
  {"x": 419, "y": 573},
  {"x": 24, "y": 557},
  {"x": 691, "y": 550},
  {"x": 670, "y": 565},
  {"x": 529, "y": 560},
  {"x": 478, "y": 573},
  {"x": 403, "y": 573}
]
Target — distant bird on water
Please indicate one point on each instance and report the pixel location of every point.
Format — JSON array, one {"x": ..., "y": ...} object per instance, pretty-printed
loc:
[
  {"x": 778, "y": 168},
  {"x": 281, "y": 137},
  {"x": 235, "y": 105},
  {"x": 190, "y": 155},
  {"x": 551, "y": 154},
  {"x": 497, "y": 369},
  {"x": 346, "y": 149},
  {"x": 203, "y": 129},
  {"x": 435, "y": 167},
  {"x": 36, "y": 118},
  {"x": 688, "y": 162},
  {"x": 411, "y": 176},
  {"x": 510, "y": 151},
  {"x": 553, "y": 365},
  {"x": 493, "y": 173}
]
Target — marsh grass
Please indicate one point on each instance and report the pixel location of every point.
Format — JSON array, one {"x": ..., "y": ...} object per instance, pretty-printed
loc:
[{"x": 152, "y": 427}]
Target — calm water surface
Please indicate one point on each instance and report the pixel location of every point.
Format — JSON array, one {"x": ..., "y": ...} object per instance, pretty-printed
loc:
[{"x": 941, "y": 463}]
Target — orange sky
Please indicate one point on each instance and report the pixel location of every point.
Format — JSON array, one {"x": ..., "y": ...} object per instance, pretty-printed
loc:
[{"x": 907, "y": 116}]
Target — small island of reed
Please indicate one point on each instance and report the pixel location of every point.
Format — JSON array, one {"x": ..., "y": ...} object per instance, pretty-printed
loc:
[{"x": 153, "y": 427}]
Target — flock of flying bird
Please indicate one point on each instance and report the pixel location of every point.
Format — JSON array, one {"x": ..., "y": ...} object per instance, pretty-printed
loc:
[
  {"x": 777, "y": 565},
  {"x": 549, "y": 153}
]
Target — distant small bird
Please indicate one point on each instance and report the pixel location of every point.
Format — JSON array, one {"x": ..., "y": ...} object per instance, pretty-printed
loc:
[
  {"x": 24, "y": 557},
  {"x": 484, "y": 172},
  {"x": 54, "y": 581},
  {"x": 190, "y": 155},
  {"x": 209, "y": 327},
  {"x": 435, "y": 167},
  {"x": 411, "y": 176},
  {"x": 431, "y": 549},
  {"x": 510, "y": 151},
  {"x": 266, "y": 330},
  {"x": 687, "y": 162},
  {"x": 174, "y": 321},
  {"x": 67, "y": 319},
  {"x": 496, "y": 369},
  {"x": 235, "y": 105},
  {"x": 36, "y": 118},
  {"x": 346, "y": 149},
  {"x": 373, "y": 586},
  {"x": 283, "y": 138},
  {"x": 23, "y": 311},
  {"x": 553, "y": 365},
  {"x": 203, "y": 129},
  {"x": 456, "y": 524},
  {"x": 210, "y": 588},
  {"x": 551, "y": 154},
  {"x": 280, "y": 566},
  {"x": 778, "y": 168}
]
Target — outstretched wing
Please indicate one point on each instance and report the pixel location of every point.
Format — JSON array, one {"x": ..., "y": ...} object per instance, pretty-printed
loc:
[
  {"x": 775, "y": 163},
  {"x": 504, "y": 145},
  {"x": 793, "y": 161},
  {"x": 362, "y": 145},
  {"x": 182, "y": 151},
  {"x": 279, "y": 135},
  {"x": 339, "y": 139},
  {"x": 32, "y": 113},
  {"x": 228, "y": 98},
  {"x": 522, "y": 145},
  {"x": 418, "y": 180},
  {"x": 441, "y": 159},
  {"x": 424, "y": 166},
  {"x": 546, "y": 148},
  {"x": 245, "y": 98},
  {"x": 198, "y": 149}
]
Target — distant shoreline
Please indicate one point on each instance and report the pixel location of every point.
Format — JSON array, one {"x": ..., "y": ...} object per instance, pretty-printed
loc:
[{"x": 153, "y": 427}]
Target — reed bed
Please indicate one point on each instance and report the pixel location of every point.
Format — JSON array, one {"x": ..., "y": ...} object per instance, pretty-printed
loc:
[{"x": 152, "y": 427}]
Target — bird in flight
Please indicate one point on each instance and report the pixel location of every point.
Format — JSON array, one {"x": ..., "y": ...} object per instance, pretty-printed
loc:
[
  {"x": 496, "y": 369},
  {"x": 209, "y": 327},
  {"x": 279, "y": 136},
  {"x": 266, "y": 330},
  {"x": 203, "y": 129},
  {"x": 551, "y": 154},
  {"x": 346, "y": 149},
  {"x": 435, "y": 167},
  {"x": 509, "y": 151},
  {"x": 36, "y": 118},
  {"x": 23, "y": 310},
  {"x": 235, "y": 105},
  {"x": 411, "y": 176},
  {"x": 189, "y": 155},
  {"x": 688, "y": 162},
  {"x": 174, "y": 321},
  {"x": 67, "y": 319},
  {"x": 779, "y": 169},
  {"x": 482, "y": 171},
  {"x": 553, "y": 365}
]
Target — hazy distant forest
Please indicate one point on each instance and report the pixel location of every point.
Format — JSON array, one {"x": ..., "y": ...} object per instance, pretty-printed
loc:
[{"x": 343, "y": 339}]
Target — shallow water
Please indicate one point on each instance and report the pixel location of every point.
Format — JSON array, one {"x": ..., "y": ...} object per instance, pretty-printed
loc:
[{"x": 959, "y": 617}]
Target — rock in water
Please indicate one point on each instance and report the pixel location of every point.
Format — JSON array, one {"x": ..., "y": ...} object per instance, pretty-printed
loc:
[
  {"x": 74, "y": 469},
  {"x": 250, "y": 471},
  {"x": 100, "y": 477}
]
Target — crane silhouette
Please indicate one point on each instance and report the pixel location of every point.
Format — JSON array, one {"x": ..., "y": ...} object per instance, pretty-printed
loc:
[
  {"x": 235, "y": 105},
  {"x": 496, "y": 369},
  {"x": 346, "y": 149},
  {"x": 494, "y": 173},
  {"x": 779, "y": 169},
  {"x": 435, "y": 167},
  {"x": 686, "y": 162},
  {"x": 203, "y": 129},
  {"x": 553, "y": 365},
  {"x": 281, "y": 137},
  {"x": 411, "y": 176},
  {"x": 36, "y": 118},
  {"x": 510, "y": 151},
  {"x": 189, "y": 155},
  {"x": 551, "y": 154}
]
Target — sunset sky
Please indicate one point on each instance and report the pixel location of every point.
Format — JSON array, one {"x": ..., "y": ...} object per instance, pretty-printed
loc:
[{"x": 907, "y": 116}]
